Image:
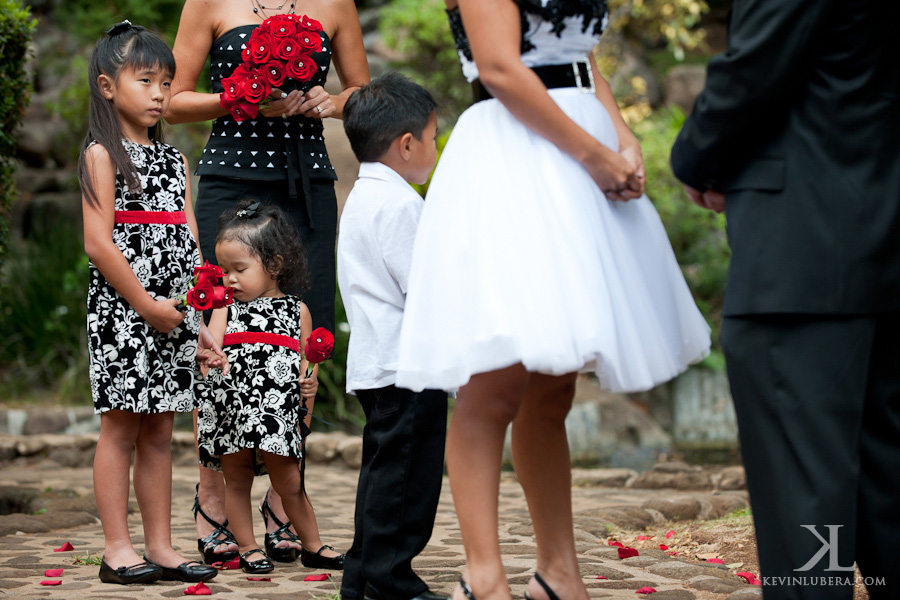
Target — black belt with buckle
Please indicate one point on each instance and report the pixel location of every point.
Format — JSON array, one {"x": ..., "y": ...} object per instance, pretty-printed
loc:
[{"x": 576, "y": 74}]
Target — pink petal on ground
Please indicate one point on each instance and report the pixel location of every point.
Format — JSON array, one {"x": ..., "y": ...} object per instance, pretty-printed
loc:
[
  {"x": 627, "y": 552},
  {"x": 53, "y": 572},
  {"x": 747, "y": 575},
  {"x": 64, "y": 548},
  {"x": 717, "y": 561},
  {"x": 321, "y": 577},
  {"x": 663, "y": 547},
  {"x": 645, "y": 590},
  {"x": 644, "y": 537},
  {"x": 51, "y": 582},
  {"x": 602, "y": 577},
  {"x": 669, "y": 534},
  {"x": 615, "y": 543},
  {"x": 198, "y": 590},
  {"x": 672, "y": 553}
]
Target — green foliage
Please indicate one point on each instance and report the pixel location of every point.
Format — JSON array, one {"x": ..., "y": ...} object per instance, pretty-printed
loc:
[
  {"x": 16, "y": 28},
  {"x": 43, "y": 308},
  {"x": 697, "y": 235},
  {"x": 419, "y": 31},
  {"x": 331, "y": 402},
  {"x": 88, "y": 19}
]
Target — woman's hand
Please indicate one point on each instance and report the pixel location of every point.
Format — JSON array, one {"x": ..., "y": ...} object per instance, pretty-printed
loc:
[
  {"x": 635, "y": 159},
  {"x": 163, "y": 316},
  {"x": 317, "y": 104},
  {"x": 278, "y": 105},
  {"x": 309, "y": 386},
  {"x": 614, "y": 174}
]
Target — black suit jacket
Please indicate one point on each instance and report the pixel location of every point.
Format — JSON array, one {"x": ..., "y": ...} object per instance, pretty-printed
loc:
[{"x": 799, "y": 126}]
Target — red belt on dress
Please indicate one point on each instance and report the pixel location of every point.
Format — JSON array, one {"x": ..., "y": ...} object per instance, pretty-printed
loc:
[
  {"x": 150, "y": 216},
  {"x": 260, "y": 337}
]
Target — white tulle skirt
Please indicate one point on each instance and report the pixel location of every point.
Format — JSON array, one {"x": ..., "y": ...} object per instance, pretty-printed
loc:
[{"x": 520, "y": 258}]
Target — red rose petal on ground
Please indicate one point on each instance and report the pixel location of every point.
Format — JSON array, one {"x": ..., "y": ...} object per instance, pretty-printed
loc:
[
  {"x": 53, "y": 572},
  {"x": 644, "y": 537},
  {"x": 51, "y": 582},
  {"x": 198, "y": 590},
  {"x": 673, "y": 553},
  {"x": 756, "y": 582},
  {"x": 322, "y": 577},
  {"x": 615, "y": 543},
  {"x": 663, "y": 547},
  {"x": 601, "y": 577},
  {"x": 645, "y": 590},
  {"x": 748, "y": 576},
  {"x": 627, "y": 552},
  {"x": 64, "y": 548},
  {"x": 717, "y": 561},
  {"x": 669, "y": 534},
  {"x": 259, "y": 579},
  {"x": 234, "y": 563}
]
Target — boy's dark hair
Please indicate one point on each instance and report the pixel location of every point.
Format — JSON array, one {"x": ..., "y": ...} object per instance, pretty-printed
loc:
[
  {"x": 384, "y": 109},
  {"x": 271, "y": 236},
  {"x": 125, "y": 45}
]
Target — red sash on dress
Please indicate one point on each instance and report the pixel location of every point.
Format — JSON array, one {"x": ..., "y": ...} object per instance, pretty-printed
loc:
[
  {"x": 149, "y": 216},
  {"x": 259, "y": 337}
]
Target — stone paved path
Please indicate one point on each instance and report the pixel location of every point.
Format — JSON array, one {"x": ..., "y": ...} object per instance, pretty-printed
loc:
[{"x": 25, "y": 557}]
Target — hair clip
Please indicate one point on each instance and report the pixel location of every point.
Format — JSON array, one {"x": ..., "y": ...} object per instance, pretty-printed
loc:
[
  {"x": 248, "y": 212},
  {"x": 119, "y": 28}
]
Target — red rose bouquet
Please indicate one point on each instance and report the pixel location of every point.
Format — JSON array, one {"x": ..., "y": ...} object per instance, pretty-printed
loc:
[
  {"x": 318, "y": 348},
  {"x": 206, "y": 294},
  {"x": 280, "y": 48}
]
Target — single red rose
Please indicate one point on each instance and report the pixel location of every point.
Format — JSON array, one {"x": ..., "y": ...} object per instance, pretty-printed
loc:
[
  {"x": 310, "y": 41},
  {"x": 53, "y": 573},
  {"x": 222, "y": 296},
  {"x": 628, "y": 552},
  {"x": 717, "y": 561},
  {"x": 275, "y": 73},
  {"x": 748, "y": 576},
  {"x": 663, "y": 547},
  {"x": 319, "y": 345},
  {"x": 258, "y": 87},
  {"x": 266, "y": 26},
  {"x": 310, "y": 24},
  {"x": 198, "y": 590},
  {"x": 321, "y": 577},
  {"x": 200, "y": 296},
  {"x": 243, "y": 110},
  {"x": 286, "y": 49},
  {"x": 51, "y": 582},
  {"x": 260, "y": 48},
  {"x": 208, "y": 272},
  {"x": 233, "y": 87},
  {"x": 645, "y": 590},
  {"x": 281, "y": 28},
  {"x": 64, "y": 548},
  {"x": 614, "y": 543}
]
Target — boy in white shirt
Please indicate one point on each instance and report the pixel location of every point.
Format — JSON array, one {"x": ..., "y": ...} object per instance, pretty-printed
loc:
[{"x": 391, "y": 124}]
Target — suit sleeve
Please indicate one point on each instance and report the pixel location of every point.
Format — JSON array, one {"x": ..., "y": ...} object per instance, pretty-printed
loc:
[{"x": 771, "y": 44}]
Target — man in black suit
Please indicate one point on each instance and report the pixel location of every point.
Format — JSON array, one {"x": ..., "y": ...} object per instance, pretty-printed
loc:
[{"x": 797, "y": 137}]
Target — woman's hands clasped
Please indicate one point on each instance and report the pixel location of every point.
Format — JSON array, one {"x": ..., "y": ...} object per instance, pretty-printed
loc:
[
  {"x": 316, "y": 104},
  {"x": 619, "y": 175}
]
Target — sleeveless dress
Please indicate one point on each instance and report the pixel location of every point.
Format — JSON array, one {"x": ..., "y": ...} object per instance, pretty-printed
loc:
[
  {"x": 258, "y": 404},
  {"x": 133, "y": 367},
  {"x": 520, "y": 258}
]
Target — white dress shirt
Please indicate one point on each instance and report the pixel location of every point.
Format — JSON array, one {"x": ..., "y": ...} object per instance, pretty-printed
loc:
[{"x": 374, "y": 251}]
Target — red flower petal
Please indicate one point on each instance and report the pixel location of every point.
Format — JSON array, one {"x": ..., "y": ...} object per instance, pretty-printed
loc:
[
  {"x": 669, "y": 534},
  {"x": 234, "y": 563},
  {"x": 748, "y": 576},
  {"x": 51, "y": 582},
  {"x": 645, "y": 590},
  {"x": 198, "y": 590},
  {"x": 672, "y": 553},
  {"x": 602, "y": 577},
  {"x": 64, "y": 548},
  {"x": 627, "y": 552},
  {"x": 614, "y": 543},
  {"x": 756, "y": 582},
  {"x": 53, "y": 572},
  {"x": 717, "y": 561},
  {"x": 663, "y": 547},
  {"x": 644, "y": 537},
  {"x": 259, "y": 579},
  {"x": 321, "y": 577}
]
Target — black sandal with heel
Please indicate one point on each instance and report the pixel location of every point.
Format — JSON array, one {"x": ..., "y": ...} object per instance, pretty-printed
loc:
[
  {"x": 207, "y": 545},
  {"x": 550, "y": 593},
  {"x": 282, "y": 534},
  {"x": 466, "y": 590}
]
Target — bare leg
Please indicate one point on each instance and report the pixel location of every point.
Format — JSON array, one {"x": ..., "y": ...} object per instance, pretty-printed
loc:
[
  {"x": 541, "y": 457},
  {"x": 238, "y": 471},
  {"x": 211, "y": 494},
  {"x": 153, "y": 487},
  {"x": 484, "y": 408},
  {"x": 112, "y": 463}
]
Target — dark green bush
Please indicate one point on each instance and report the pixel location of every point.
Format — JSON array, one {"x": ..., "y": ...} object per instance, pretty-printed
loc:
[{"x": 16, "y": 27}]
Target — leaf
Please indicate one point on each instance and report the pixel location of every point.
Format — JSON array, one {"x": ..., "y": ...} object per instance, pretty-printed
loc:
[
  {"x": 735, "y": 565},
  {"x": 707, "y": 555}
]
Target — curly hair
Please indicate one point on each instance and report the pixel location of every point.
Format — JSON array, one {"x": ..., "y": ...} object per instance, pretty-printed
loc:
[{"x": 268, "y": 233}]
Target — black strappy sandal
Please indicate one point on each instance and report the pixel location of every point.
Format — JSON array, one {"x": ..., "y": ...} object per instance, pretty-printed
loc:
[
  {"x": 282, "y": 534},
  {"x": 207, "y": 545},
  {"x": 466, "y": 590},
  {"x": 550, "y": 593}
]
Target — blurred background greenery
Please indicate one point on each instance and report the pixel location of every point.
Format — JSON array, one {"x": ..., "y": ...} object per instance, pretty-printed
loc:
[{"x": 43, "y": 276}]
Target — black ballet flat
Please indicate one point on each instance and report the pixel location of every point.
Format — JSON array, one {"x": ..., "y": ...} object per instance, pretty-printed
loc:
[
  {"x": 192, "y": 571},
  {"x": 256, "y": 567},
  {"x": 145, "y": 572},
  {"x": 207, "y": 545},
  {"x": 315, "y": 560},
  {"x": 282, "y": 534},
  {"x": 550, "y": 593}
]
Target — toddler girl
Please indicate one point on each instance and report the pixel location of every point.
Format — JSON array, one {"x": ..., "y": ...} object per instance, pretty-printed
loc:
[
  {"x": 252, "y": 412},
  {"x": 139, "y": 233}
]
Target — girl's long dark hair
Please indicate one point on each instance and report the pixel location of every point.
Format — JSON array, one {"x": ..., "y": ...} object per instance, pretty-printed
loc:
[{"x": 125, "y": 45}]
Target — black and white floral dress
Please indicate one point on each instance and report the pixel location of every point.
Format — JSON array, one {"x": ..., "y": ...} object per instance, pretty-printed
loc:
[
  {"x": 258, "y": 404},
  {"x": 134, "y": 367}
]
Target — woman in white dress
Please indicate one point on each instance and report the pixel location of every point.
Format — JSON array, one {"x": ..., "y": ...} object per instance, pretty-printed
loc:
[{"x": 537, "y": 257}]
